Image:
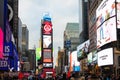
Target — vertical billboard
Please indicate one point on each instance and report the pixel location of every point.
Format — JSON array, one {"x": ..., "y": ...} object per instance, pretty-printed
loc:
[
  {"x": 47, "y": 52},
  {"x": 75, "y": 65},
  {"x": 47, "y": 55},
  {"x": 47, "y": 27},
  {"x": 47, "y": 41},
  {"x": 1, "y": 27},
  {"x": 118, "y": 13},
  {"x": 106, "y": 23},
  {"x": 38, "y": 53}
]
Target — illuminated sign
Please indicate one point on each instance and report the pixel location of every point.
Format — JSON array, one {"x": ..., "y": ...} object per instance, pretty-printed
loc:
[
  {"x": 47, "y": 64},
  {"x": 47, "y": 41},
  {"x": 106, "y": 22},
  {"x": 47, "y": 55},
  {"x": 105, "y": 57},
  {"x": 118, "y": 14},
  {"x": 38, "y": 53},
  {"x": 47, "y": 28},
  {"x": 106, "y": 33}
]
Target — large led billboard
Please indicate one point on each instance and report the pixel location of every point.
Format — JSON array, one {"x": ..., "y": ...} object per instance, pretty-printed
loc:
[
  {"x": 118, "y": 14},
  {"x": 47, "y": 41},
  {"x": 105, "y": 57},
  {"x": 106, "y": 33},
  {"x": 47, "y": 27},
  {"x": 47, "y": 56},
  {"x": 106, "y": 23},
  {"x": 1, "y": 27},
  {"x": 83, "y": 49},
  {"x": 104, "y": 11},
  {"x": 74, "y": 64}
]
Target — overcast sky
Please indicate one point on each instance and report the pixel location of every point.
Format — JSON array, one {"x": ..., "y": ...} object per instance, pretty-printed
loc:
[{"x": 61, "y": 11}]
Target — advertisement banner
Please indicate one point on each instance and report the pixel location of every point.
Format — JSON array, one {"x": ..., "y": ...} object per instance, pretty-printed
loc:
[
  {"x": 8, "y": 49},
  {"x": 16, "y": 58},
  {"x": 4, "y": 63},
  {"x": 47, "y": 65},
  {"x": 38, "y": 53},
  {"x": 106, "y": 22},
  {"x": 82, "y": 49},
  {"x": 1, "y": 27},
  {"x": 105, "y": 57},
  {"x": 47, "y": 55},
  {"x": 46, "y": 17},
  {"x": 47, "y": 41},
  {"x": 105, "y": 11},
  {"x": 118, "y": 13},
  {"x": 106, "y": 33},
  {"x": 47, "y": 27}
]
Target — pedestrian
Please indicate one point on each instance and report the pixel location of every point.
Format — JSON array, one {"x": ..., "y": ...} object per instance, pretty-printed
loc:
[
  {"x": 64, "y": 76},
  {"x": 68, "y": 75},
  {"x": 20, "y": 76}
]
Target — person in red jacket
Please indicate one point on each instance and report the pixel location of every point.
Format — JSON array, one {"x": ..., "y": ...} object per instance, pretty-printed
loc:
[
  {"x": 68, "y": 75},
  {"x": 20, "y": 75}
]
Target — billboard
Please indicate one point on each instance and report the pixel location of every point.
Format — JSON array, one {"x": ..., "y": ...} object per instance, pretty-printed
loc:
[
  {"x": 4, "y": 63},
  {"x": 47, "y": 27},
  {"x": 89, "y": 57},
  {"x": 106, "y": 22},
  {"x": 106, "y": 33},
  {"x": 47, "y": 41},
  {"x": 47, "y": 56},
  {"x": 74, "y": 64},
  {"x": 47, "y": 17},
  {"x": 38, "y": 53},
  {"x": 105, "y": 57},
  {"x": 82, "y": 49},
  {"x": 118, "y": 13},
  {"x": 1, "y": 27},
  {"x": 48, "y": 65},
  {"x": 105, "y": 11}
]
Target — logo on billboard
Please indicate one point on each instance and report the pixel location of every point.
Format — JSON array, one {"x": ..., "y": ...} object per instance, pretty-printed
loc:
[{"x": 47, "y": 27}]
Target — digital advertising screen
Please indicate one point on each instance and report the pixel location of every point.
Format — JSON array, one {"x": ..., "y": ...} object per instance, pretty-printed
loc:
[
  {"x": 106, "y": 22},
  {"x": 89, "y": 57},
  {"x": 38, "y": 53},
  {"x": 104, "y": 11},
  {"x": 74, "y": 64},
  {"x": 83, "y": 48},
  {"x": 47, "y": 55},
  {"x": 47, "y": 41},
  {"x": 106, "y": 32},
  {"x": 47, "y": 65},
  {"x": 47, "y": 28},
  {"x": 118, "y": 13},
  {"x": 1, "y": 27},
  {"x": 1, "y": 43},
  {"x": 105, "y": 57}
]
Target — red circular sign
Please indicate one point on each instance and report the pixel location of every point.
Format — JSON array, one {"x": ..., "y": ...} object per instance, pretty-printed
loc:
[{"x": 47, "y": 28}]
